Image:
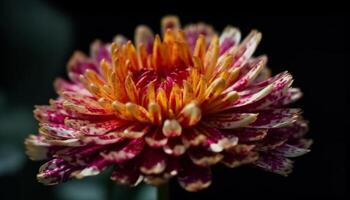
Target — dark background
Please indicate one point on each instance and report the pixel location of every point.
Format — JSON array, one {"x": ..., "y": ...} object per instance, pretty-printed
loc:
[{"x": 38, "y": 37}]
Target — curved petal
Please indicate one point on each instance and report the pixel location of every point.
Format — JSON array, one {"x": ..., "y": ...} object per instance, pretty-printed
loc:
[
  {"x": 125, "y": 152},
  {"x": 276, "y": 164},
  {"x": 276, "y": 118},
  {"x": 230, "y": 37},
  {"x": 153, "y": 161},
  {"x": 127, "y": 174},
  {"x": 203, "y": 157},
  {"x": 231, "y": 120},
  {"x": 55, "y": 171},
  {"x": 194, "y": 178},
  {"x": 248, "y": 134}
]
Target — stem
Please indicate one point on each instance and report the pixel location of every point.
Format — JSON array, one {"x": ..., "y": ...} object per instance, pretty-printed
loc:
[
  {"x": 163, "y": 192},
  {"x": 110, "y": 189}
]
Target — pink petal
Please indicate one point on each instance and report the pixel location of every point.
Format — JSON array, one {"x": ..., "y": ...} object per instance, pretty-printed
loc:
[
  {"x": 125, "y": 152},
  {"x": 276, "y": 118},
  {"x": 153, "y": 161},
  {"x": 37, "y": 148},
  {"x": 203, "y": 157},
  {"x": 292, "y": 95},
  {"x": 194, "y": 178},
  {"x": 156, "y": 180},
  {"x": 58, "y": 131},
  {"x": 98, "y": 128},
  {"x": 127, "y": 174},
  {"x": 174, "y": 147},
  {"x": 274, "y": 139},
  {"x": 256, "y": 66},
  {"x": 231, "y": 120},
  {"x": 275, "y": 164},
  {"x": 100, "y": 51},
  {"x": 235, "y": 159},
  {"x": 218, "y": 141},
  {"x": 78, "y": 64},
  {"x": 83, "y": 104},
  {"x": 247, "y": 48},
  {"x": 156, "y": 138},
  {"x": 230, "y": 37},
  {"x": 62, "y": 85},
  {"x": 144, "y": 36},
  {"x": 108, "y": 138},
  {"x": 263, "y": 94},
  {"x": 192, "y": 32},
  {"x": 49, "y": 114},
  {"x": 287, "y": 150},
  {"x": 248, "y": 134},
  {"x": 55, "y": 171},
  {"x": 193, "y": 137},
  {"x": 92, "y": 169}
]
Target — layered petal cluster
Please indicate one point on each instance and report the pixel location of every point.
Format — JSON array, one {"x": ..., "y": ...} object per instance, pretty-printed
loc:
[{"x": 169, "y": 106}]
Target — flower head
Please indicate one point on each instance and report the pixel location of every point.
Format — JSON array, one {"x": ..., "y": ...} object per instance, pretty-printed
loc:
[{"x": 169, "y": 106}]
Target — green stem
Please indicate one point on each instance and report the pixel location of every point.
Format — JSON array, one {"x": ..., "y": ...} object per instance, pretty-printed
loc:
[
  {"x": 110, "y": 190},
  {"x": 163, "y": 192}
]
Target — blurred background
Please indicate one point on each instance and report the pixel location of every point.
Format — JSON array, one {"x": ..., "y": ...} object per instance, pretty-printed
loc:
[{"x": 38, "y": 37}]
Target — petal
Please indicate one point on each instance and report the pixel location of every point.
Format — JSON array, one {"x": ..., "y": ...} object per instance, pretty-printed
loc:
[
  {"x": 173, "y": 167},
  {"x": 193, "y": 137},
  {"x": 83, "y": 104},
  {"x": 291, "y": 151},
  {"x": 54, "y": 171},
  {"x": 276, "y": 118},
  {"x": 171, "y": 128},
  {"x": 251, "y": 98},
  {"x": 78, "y": 64},
  {"x": 302, "y": 143},
  {"x": 126, "y": 152},
  {"x": 203, "y": 157},
  {"x": 194, "y": 178},
  {"x": 156, "y": 180},
  {"x": 92, "y": 169},
  {"x": 190, "y": 115},
  {"x": 256, "y": 67},
  {"x": 127, "y": 174},
  {"x": 193, "y": 31},
  {"x": 280, "y": 88},
  {"x": 174, "y": 147},
  {"x": 99, "y": 52},
  {"x": 135, "y": 130},
  {"x": 247, "y": 48},
  {"x": 170, "y": 22},
  {"x": 100, "y": 128},
  {"x": 263, "y": 94},
  {"x": 275, "y": 164},
  {"x": 292, "y": 95},
  {"x": 49, "y": 114},
  {"x": 248, "y": 134},
  {"x": 218, "y": 141},
  {"x": 235, "y": 159},
  {"x": 105, "y": 139},
  {"x": 230, "y": 37},
  {"x": 231, "y": 120},
  {"x": 120, "y": 40},
  {"x": 144, "y": 36},
  {"x": 62, "y": 85},
  {"x": 36, "y": 148},
  {"x": 156, "y": 138},
  {"x": 274, "y": 139},
  {"x": 59, "y": 131},
  {"x": 153, "y": 162}
]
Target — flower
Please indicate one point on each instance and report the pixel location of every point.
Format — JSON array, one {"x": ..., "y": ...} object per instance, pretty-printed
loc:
[{"x": 169, "y": 107}]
